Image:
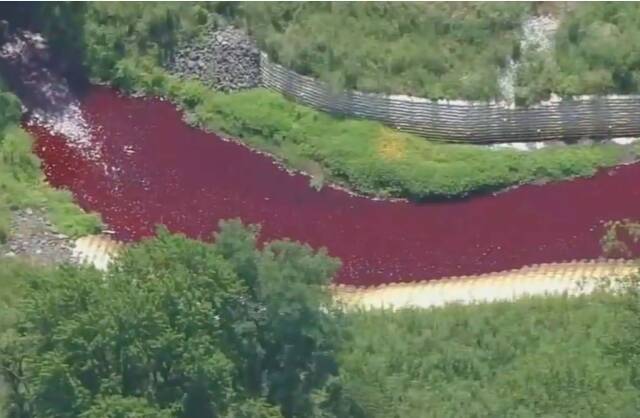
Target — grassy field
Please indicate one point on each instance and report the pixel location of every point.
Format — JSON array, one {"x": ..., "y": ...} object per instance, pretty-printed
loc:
[
  {"x": 452, "y": 50},
  {"x": 436, "y": 50}
]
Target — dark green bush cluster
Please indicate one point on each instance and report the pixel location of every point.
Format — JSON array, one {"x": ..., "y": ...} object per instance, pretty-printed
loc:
[
  {"x": 596, "y": 52},
  {"x": 98, "y": 35},
  {"x": 13, "y": 276},
  {"x": 180, "y": 328},
  {"x": 435, "y": 50},
  {"x": 113, "y": 30},
  {"x": 543, "y": 357}
]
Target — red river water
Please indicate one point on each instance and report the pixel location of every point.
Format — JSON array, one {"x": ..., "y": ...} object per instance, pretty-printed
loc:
[{"x": 144, "y": 166}]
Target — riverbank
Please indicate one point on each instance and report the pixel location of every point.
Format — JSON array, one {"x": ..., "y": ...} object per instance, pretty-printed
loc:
[
  {"x": 574, "y": 278},
  {"x": 36, "y": 220},
  {"x": 362, "y": 155},
  {"x": 34, "y": 237},
  {"x": 26, "y": 200}
]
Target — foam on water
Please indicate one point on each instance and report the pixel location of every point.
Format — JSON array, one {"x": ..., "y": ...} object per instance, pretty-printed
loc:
[{"x": 49, "y": 99}]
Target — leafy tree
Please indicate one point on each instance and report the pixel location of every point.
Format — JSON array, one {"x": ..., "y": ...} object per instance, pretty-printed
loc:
[
  {"x": 181, "y": 328},
  {"x": 115, "y": 30},
  {"x": 253, "y": 409},
  {"x": 119, "y": 407}
]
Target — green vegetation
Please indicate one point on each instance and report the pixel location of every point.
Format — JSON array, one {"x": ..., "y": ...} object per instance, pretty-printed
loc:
[
  {"x": 115, "y": 30},
  {"x": 436, "y": 50},
  {"x": 451, "y": 50},
  {"x": 180, "y": 328},
  {"x": 100, "y": 34},
  {"x": 21, "y": 180},
  {"x": 596, "y": 53},
  {"x": 13, "y": 276},
  {"x": 228, "y": 330},
  {"x": 542, "y": 357}
]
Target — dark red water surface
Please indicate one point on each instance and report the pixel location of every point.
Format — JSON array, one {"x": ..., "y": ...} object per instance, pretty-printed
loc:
[{"x": 153, "y": 168}]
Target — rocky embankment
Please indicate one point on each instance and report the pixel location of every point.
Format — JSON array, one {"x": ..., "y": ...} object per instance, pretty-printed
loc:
[
  {"x": 225, "y": 59},
  {"x": 34, "y": 237}
]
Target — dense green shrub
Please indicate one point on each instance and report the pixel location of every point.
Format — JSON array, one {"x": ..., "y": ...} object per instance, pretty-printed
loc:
[
  {"x": 596, "y": 52},
  {"x": 186, "y": 327},
  {"x": 180, "y": 328},
  {"x": 247, "y": 326},
  {"x": 13, "y": 275},
  {"x": 543, "y": 357},
  {"x": 114, "y": 30},
  {"x": 435, "y": 50},
  {"x": 99, "y": 34}
]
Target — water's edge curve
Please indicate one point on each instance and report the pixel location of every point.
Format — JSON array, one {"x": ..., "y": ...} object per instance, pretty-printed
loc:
[{"x": 579, "y": 277}]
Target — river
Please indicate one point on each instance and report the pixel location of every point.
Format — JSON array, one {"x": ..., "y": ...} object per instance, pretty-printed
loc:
[
  {"x": 144, "y": 166},
  {"x": 138, "y": 164}
]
